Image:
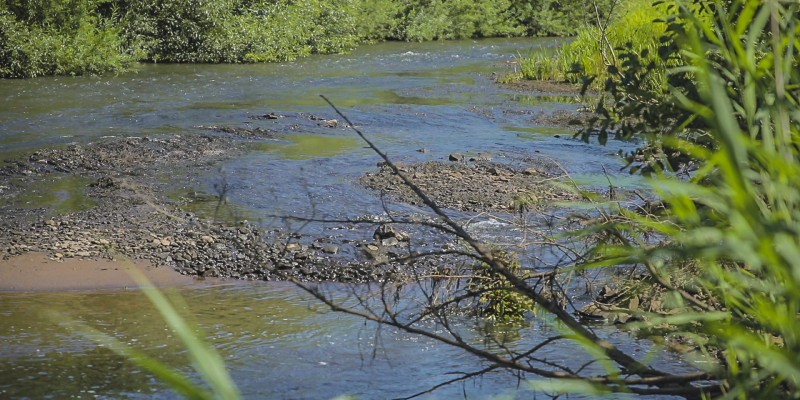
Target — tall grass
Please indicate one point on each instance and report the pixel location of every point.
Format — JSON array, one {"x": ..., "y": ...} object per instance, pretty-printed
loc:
[
  {"x": 630, "y": 26},
  {"x": 727, "y": 253}
]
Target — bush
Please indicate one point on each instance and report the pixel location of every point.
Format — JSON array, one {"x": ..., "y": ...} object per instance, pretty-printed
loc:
[
  {"x": 95, "y": 36},
  {"x": 68, "y": 38}
]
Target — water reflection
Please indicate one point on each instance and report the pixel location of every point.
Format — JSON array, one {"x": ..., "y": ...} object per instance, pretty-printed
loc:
[
  {"x": 306, "y": 147},
  {"x": 60, "y": 194},
  {"x": 275, "y": 339}
]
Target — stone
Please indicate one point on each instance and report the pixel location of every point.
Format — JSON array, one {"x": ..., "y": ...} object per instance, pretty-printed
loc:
[
  {"x": 482, "y": 157},
  {"x": 386, "y": 231},
  {"x": 329, "y": 123},
  {"x": 458, "y": 157},
  {"x": 390, "y": 242},
  {"x": 293, "y": 247},
  {"x": 211, "y": 272},
  {"x": 330, "y": 249}
]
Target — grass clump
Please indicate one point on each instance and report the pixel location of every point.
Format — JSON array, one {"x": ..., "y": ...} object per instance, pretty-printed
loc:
[
  {"x": 628, "y": 26},
  {"x": 498, "y": 299}
]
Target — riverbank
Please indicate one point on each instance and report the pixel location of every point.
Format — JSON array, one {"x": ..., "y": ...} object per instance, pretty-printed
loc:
[{"x": 39, "y": 272}]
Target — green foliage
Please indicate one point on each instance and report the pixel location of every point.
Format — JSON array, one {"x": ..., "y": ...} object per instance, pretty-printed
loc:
[
  {"x": 499, "y": 300},
  {"x": 539, "y": 66},
  {"x": 74, "y": 37},
  {"x": 61, "y": 38},
  {"x": 625, "y": 27},
  {"x": 732, "y": 109}
]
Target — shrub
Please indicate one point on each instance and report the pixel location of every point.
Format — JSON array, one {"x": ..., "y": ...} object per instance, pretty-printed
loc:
[{"x": 62, "y": 38}]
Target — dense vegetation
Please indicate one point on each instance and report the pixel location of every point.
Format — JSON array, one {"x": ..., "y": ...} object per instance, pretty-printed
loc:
[
  {"x": 73, "y": 37},
  {"x": 721, "y": 246},
  {"x": 627, "y": 26}
]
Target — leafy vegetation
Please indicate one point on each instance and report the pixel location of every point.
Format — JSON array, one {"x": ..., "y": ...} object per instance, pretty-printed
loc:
[
  {"x": 628, "y": 26},
  {"x": 77, "y": 37},
  {"x": 498, "y": 299},
  {"x": 717, "y": 100},
  {"x": 731, "y": 121},
  {"x": 716, "y": 245}
]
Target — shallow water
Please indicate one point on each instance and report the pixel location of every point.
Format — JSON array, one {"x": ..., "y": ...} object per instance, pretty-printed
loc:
[
  {"x": 404, "y": 96},
  {"x": 276, "y": 341}
]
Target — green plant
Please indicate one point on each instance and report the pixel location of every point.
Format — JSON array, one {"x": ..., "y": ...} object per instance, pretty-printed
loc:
[
  {"x": 540, "y": 66},
  {"x": 61, "y": 38},
  {"x": 629, "y": 26},
  {"x": 735, "y": 221},
  {"x": 498, "y": 299}
]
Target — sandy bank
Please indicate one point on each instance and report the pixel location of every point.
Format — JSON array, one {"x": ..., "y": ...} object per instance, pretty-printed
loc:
[{"x": 36, "y": 272}]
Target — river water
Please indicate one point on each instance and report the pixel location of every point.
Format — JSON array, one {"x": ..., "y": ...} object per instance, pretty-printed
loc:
[{"x": 276, "y": 341}]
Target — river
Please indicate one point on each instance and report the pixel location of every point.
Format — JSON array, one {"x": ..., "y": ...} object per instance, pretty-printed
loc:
[{"x": 276, "y": 341}]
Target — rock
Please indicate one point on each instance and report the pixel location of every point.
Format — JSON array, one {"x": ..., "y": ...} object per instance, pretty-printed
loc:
[
  {"x": 293, "y": 247},
  {"x": 211, "y": 273},
  {"x": 458, "y": 157},
  {"x": 390, "y": 242},
  {"x": 386, "y": 231},
  {"x": 529, "y": 171},
  {"x": 330, "y": 249},
  {"x": 207, "y": 239},
  {"x": 105, "y": 182},
  {"x": 482, "y": 157},
  {"x": 329, "y": 123}
]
